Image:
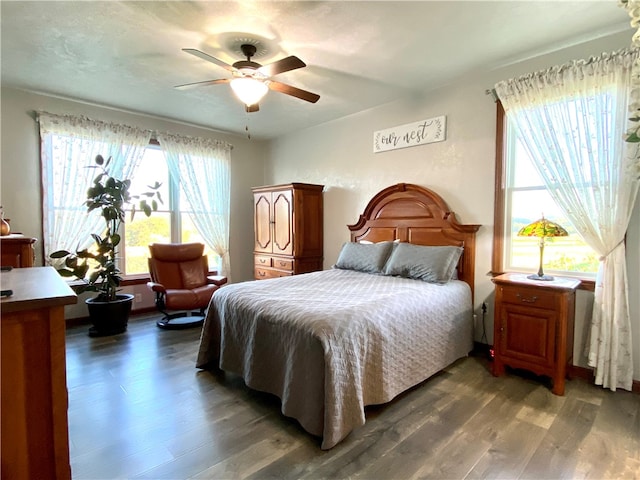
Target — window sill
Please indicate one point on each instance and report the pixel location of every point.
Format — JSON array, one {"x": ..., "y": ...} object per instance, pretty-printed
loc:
[
  {"x": 128, "y": 280},
  {"x": 587, "y": 284}
]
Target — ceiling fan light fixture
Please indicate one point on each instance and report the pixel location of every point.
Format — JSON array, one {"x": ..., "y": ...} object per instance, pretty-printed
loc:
[{"x": 249, "y": 90}]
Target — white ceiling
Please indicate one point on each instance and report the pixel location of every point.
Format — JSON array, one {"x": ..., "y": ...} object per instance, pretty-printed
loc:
[{"x": 359, "y": 54}]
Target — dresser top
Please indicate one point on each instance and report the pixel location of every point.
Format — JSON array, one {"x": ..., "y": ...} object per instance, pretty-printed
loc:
[
  {"x": 35, "y": 287},
  {"x": 562, "y": 283},
  {"x": 17, "y": 238}
]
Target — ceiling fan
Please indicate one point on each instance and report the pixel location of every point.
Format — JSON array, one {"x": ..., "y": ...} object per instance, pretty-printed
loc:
[{"x": 251, "y": 81}]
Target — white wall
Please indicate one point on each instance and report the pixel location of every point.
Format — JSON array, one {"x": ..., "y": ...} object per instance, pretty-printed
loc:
[
  {"x": 338, "y": 154},
  {"x": 20, "y": 189}
]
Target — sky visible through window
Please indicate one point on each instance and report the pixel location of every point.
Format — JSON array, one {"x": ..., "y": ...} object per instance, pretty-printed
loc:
[{"x": 529, "y": 200}]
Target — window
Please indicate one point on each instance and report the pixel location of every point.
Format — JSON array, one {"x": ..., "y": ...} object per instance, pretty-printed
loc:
[
  {"x": 193, "y": 171},
  {"x": 170, "y": 223},
  {"x": 521, "y": 198}
]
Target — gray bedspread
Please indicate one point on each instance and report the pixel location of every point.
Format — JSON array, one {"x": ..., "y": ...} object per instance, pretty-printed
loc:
[{"x": 328, "y": 343}]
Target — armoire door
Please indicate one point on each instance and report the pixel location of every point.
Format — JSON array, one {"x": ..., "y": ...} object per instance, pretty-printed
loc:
[
  {"x": 282, "y": 211},
  {"x": 262, "y": 222}
]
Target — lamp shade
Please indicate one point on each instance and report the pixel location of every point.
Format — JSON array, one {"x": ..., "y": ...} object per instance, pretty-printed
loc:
[
  {"x": 542, "y": 229},
  {"x": 249, "y": 90}
]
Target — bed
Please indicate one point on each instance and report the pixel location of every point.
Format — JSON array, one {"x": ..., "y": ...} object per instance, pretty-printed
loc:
[{"x": 330, "y": 343}]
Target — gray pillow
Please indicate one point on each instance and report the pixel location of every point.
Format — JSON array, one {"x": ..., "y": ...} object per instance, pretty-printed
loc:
[
  {"x": 364, "y": 257},
  {"x": 431, "y": 264}
]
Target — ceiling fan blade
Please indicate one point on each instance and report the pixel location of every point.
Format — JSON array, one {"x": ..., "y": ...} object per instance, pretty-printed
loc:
[
  {"x": 280, "y": 66},
  {"x": 252, "y": 108},
  {"x": 202, "y": 84},
  {"x": 209, "y": 58},
  {"x": 293, "y": 91}
]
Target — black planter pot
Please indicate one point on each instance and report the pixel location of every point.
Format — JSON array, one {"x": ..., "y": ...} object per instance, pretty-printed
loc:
[{"x": 109, "y": 318}]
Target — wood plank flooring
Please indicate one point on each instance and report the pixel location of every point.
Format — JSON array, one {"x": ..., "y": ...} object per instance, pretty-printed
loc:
[{"x": 138, "y": 408}]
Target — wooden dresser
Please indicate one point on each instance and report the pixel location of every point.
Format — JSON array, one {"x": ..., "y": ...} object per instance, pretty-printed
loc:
[
  {"x": 16, "y": 250},
  {"x": 288, "y": 226},
  {"x": 34, "y": 440},
  {"x": 533, "y": 326}
]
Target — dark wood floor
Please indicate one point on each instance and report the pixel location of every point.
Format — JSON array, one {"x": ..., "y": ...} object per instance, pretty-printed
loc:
[{"x": 139, "y": 409}]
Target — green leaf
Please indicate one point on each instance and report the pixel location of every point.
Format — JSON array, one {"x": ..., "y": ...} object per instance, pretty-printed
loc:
[
  {"x": 82, "y": 270},
  {"x": 94, "y": 277},
  {"x": 59, "y": 254},
  {"x": 99, "y": 159},
  {"x": 85, "y": 254},
  {"x": 97, "y": 180},
  {"x": 115, "y": 239},
  {"x": 154, "y": 205},
  {"x": 633, "y": 138}
]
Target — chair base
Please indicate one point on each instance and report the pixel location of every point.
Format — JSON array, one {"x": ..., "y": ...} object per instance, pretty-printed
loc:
[{"x": 178, "y": 321}]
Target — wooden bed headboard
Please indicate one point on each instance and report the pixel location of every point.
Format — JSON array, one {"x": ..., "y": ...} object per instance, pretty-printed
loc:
[{"x": 417, "y": 215}]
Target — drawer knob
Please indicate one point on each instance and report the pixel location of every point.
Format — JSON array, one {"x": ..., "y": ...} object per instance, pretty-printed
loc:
[
  {"x": 262, "y": 260},
  {"x": 262, "y": 274},
  {"x": 527, "y": 299}
]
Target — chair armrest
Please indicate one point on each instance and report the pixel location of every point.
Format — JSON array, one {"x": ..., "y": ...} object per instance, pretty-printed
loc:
[
  {"x": 156, "y": 287},
  {"x": 218, "y": 280}
]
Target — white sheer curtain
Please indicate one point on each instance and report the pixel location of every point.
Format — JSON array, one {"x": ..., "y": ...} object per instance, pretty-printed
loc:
[
  {"x": 69, "y": 144},
  {"x": 202, "y": 168},
  {"x": 572, "y": 120}
]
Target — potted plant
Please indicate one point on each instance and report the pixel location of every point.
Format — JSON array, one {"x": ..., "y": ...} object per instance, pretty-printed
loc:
[{"x": 97, "y": 267}]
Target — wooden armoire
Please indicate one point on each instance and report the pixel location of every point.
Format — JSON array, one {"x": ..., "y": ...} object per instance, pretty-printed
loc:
[{"x": 288, "y": 229}]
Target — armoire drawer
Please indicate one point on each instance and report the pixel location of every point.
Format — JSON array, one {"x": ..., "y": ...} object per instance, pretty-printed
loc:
[
  {"x": 282, "y": 263},
  {"x": 262, "y": 260},
  {"x": 263, "y": 273}
]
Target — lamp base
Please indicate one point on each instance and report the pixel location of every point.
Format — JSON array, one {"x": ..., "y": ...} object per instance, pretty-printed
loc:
[{"x": 543, "y": 278}]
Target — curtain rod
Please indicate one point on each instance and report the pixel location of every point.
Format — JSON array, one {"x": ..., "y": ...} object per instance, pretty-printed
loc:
[{"x": 492, "y": 92}]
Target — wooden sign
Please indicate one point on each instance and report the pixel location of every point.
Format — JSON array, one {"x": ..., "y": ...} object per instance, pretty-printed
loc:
[{"x": 411, "y": 134}]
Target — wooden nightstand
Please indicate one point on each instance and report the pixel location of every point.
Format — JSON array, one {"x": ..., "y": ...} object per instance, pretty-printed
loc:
[{"x": 533, "y": 325}]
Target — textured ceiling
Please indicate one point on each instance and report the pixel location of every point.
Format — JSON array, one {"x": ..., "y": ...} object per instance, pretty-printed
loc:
[{"x": 359, "y": 54}]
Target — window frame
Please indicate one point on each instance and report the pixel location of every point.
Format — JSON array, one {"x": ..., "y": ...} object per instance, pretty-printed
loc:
[
  {"x": 499, "y": 212},
  {"x": 172, "y": 206}
]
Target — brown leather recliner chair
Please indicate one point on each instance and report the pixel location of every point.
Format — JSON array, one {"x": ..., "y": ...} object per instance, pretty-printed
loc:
[{"x": 181, "y": 281}]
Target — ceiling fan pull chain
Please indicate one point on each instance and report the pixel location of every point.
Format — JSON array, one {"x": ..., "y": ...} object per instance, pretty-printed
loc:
[{"x": 246, "y": 127}]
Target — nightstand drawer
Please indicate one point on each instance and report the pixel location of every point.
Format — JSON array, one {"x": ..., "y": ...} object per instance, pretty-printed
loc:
[{"x": 530, "y": 297}]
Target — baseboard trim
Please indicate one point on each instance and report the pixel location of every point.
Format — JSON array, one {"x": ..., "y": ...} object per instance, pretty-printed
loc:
[
  {"x": 79, "y": 321},
  {"x": 583, "y": 373},
  {"x": 586, "y": 373},
  {"x": 482, "y": 350}
]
